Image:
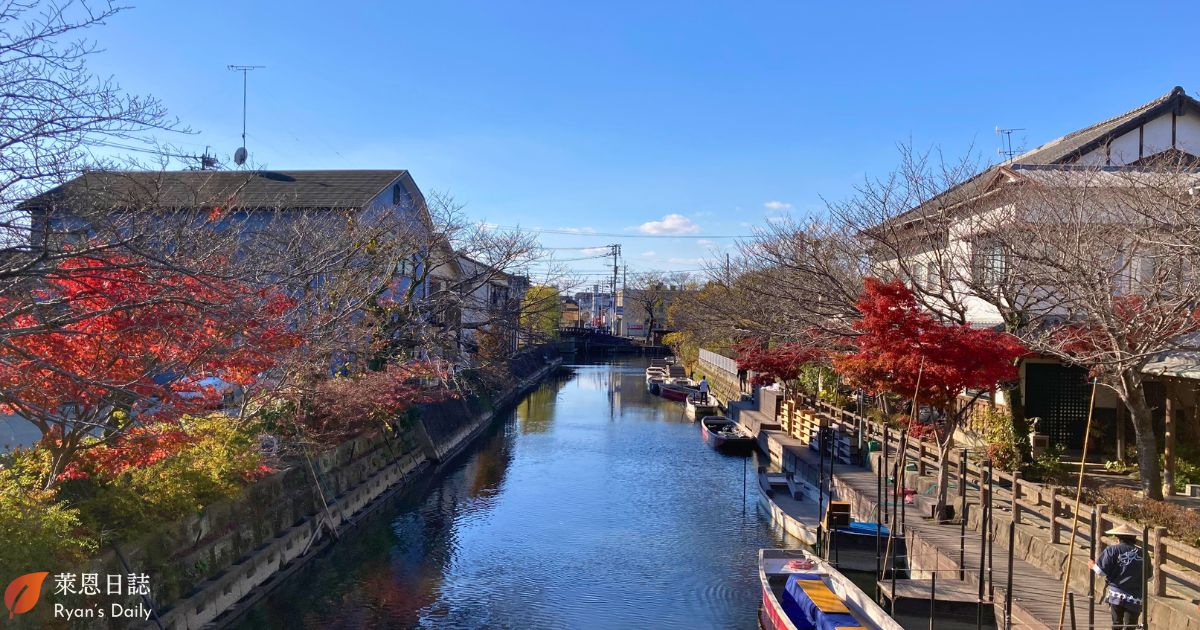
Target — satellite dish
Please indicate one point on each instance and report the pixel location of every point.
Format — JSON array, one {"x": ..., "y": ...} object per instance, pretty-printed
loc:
[{"x": 239, "y": 156}]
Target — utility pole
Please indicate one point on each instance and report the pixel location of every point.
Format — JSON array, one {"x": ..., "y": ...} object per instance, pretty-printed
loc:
[{"x": 615, "y": 252}]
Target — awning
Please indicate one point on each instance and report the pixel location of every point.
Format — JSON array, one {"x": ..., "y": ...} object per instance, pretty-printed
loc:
[{"x": 1182, "y": 362}]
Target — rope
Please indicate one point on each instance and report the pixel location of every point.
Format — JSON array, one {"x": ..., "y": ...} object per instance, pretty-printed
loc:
[{"x": 1062, "y": 611}]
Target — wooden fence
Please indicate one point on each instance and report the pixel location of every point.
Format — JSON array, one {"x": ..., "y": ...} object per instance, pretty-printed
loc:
[{"x": 1170, "y": 559}]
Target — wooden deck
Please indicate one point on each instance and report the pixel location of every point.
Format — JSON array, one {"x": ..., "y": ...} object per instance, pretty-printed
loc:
[{"x": 934, "y": 547}]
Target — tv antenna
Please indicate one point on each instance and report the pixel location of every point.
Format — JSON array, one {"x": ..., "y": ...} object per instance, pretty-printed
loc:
[
  {"x": 239, "y": 156},
  {"x": 1007, "y": 149}
]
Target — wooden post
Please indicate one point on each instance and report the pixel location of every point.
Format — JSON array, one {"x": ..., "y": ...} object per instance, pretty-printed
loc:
[
  {"x": 921, "y": 458},
  {"x": 1169, "y": 448},
  {"x": 1016, "y": 497},
  {"x": 1100, "y": 509},
  {"x": 1121, "y": 411},
  {"x": 1054, "y": 534},
  {"x": 1160, "y": 558}
]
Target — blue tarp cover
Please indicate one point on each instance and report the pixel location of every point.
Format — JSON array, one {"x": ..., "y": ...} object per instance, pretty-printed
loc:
[
  {"x": 811, "y": 617},
  {"x": 864, "y": 528}
]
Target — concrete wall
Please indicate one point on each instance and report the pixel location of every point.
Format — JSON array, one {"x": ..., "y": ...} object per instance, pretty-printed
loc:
[{"x": 723, "y": 381}]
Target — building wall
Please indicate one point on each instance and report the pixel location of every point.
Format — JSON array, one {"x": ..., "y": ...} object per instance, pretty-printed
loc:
[{"x": 1154, "y": 137}]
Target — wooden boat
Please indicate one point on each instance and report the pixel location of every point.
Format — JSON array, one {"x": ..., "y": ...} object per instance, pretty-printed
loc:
[
  {"x": 802, "y": 592},
  {"x": 671, "y": 391},
  {"x": 793, "y": 506},
  {"x": 725, "y": 435},
  {"x": 695, "y": 410}
]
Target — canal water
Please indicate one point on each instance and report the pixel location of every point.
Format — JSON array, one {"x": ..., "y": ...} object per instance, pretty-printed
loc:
[{"x": 593, "y": 504}]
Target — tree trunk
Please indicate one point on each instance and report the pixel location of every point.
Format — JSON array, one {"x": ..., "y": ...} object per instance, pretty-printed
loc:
[
  {"x": 943, "y": 477},
  {"x": 1020, "y": 424},
  {"x": 1143, "y": 429}
]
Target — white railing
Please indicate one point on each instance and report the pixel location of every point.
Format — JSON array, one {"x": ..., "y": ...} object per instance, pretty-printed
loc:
[{"x": 720, "y": 362}]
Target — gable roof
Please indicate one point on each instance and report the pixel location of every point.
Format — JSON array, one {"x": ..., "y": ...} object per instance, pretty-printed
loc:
[
  {"x": 239, "y": 189},
  {"x": 1077, "y": 143},
  {"x": 1059, "y": 151}
]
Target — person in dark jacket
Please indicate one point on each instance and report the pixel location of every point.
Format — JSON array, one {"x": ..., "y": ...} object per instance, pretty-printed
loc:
[{"x": 1121, "y": 567}]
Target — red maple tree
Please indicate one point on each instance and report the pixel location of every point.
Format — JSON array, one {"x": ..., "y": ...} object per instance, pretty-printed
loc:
[
  {"x": 110, "y": 346},
  {"x": 903, "y": 350},
  {"x": 781, "y": 362}
]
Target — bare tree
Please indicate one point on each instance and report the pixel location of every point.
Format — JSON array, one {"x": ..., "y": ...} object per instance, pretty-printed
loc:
[
  {"x": 647, "y": 296},
  {"x": 1110, "y": 255}
]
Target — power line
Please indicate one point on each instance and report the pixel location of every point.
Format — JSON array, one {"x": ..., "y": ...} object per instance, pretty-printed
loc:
[{"x": 622, "y": 235}]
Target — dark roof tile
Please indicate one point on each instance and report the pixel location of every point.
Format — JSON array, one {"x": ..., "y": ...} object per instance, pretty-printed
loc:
[{"x": 241, "y": 189}]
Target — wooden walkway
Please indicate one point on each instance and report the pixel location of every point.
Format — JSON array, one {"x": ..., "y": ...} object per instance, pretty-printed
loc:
[{"x": 934, "y": 547}]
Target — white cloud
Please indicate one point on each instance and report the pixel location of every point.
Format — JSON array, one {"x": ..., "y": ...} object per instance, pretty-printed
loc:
[
  {"x": 672, "y": 224},
  {"x": 594, "y": 251},
  {"x": 777, "y": 205},
  {"x": 649, "y": 254},
  {"x": 777, "y": 219},
  {"x": 578, "y": 230}
]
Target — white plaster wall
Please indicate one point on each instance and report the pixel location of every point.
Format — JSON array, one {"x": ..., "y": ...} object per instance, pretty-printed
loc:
[
  {"x": 1156, "y": 135},
  {"x": 1125, "y": 149},
  {"x": 1095, "y": 157},
  {"x": 1187, "y": 133}
]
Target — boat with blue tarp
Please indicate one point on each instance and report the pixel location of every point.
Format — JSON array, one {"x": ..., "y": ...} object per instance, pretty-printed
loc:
[{"x": 802, "y": 592}]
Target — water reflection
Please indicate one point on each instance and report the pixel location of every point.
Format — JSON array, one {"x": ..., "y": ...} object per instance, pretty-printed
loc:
[{"x": 593, "y": 505}]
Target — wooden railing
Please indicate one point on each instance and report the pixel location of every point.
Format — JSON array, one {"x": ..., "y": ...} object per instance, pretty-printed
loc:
[{"x": 1170, "y": 559}]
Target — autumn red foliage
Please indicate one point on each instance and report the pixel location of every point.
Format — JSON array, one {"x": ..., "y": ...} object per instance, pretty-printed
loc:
[
  {"x": 782, "y": 362},
  {"x": 114, "y": 334},
  {"x": 347, "y": 405},
  {"x": 1143, "y": 325},
  {"x": 899, "y": 340}
]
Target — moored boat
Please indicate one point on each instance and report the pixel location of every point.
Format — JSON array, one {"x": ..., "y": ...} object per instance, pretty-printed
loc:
[
  {"x": 696, "y": 409},
  {"x": 802, "y": 592},
  {"x": 725, "y": 435},
  {"x": 793, "y": 506},
  {"x": 671, "y": 391}
]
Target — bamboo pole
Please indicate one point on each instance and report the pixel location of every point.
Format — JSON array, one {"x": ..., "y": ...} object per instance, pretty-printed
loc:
[
  {"x": 897, "y": 489},
  {"x": 1087, "y": 432}
]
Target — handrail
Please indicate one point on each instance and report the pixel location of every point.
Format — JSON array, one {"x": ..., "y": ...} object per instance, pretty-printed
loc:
[{"x": 1169, "y": 557}]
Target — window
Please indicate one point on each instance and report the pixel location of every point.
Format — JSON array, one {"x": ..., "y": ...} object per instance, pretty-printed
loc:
[
  {"x": 990, "y": 263},
  {"x": 933, "y": 277},
  {"x": 918, "y": 275}
]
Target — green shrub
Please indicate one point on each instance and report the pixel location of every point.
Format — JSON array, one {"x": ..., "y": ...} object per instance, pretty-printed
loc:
[
  {"x": 1187, "y": 466},
  {"x": 39, "y": 532},
  {"x": 1117, "y": 466},
  {"x": 1048, "y": 467},
  {"x": 1182, "y": 524},
  {"x": 214, "y": 466},
  {"x": 1003, "y": 445}
]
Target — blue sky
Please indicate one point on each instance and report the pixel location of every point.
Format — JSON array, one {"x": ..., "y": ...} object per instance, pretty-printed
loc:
[{"x": 612, "y": 117}]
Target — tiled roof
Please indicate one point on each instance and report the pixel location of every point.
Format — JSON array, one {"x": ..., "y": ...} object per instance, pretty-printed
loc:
[
  {"x": 1079, "y": 142},
  {"x": 241, "y": 189},
  {"x": 1059, "y": 151}
]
